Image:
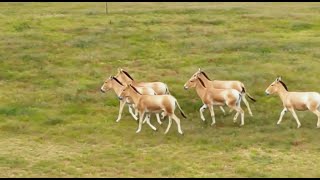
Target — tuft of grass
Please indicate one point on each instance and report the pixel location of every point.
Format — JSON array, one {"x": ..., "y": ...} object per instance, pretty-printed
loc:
[
  {"x": 12, "y": 162},
  {"x": 301, "y": 26},
  {"x": 21, "y": 26},
  {"x": 53, "y": 121},
  {"x": 15, "y": 111}
]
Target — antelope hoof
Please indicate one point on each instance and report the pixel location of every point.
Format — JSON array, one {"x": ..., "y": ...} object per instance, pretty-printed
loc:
[
  {"x": 299, "y": 126},
  {"x": 241, "y": 124},
  {"x": 138, "y": 130},
  {"x": 181, "y": 133},
  {"x": 203, "y": 119},
  {"x": 212, "y": 124},
  {"x": 251, "y": 114},
  {"x": 118, "y": 120}
]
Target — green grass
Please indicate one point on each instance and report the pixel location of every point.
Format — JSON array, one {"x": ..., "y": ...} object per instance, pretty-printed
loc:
[{"x": 54, "y": 121}]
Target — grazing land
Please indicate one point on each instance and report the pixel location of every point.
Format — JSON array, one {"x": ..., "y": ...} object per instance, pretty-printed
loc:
[{"x": 55, "y": 122}]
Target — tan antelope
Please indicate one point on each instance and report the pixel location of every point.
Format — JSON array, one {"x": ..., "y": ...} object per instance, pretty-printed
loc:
[
  {"x": 117, "y": 86},
  {"x": 153, "y": 104},
  {"x": 292, "y": 101},
  {"x": 211, "y": 96},
  {"x": 237, "y": 85},
  {"x": 159, "y": 87}
]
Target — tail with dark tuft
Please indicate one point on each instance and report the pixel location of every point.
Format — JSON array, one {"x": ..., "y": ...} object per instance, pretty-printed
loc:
[
  {"x": 182, "y": 113},
  {"x": 249, "y": 96}
]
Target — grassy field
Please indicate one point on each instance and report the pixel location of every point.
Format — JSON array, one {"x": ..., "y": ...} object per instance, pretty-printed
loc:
[{"x": 54, "y": 57}]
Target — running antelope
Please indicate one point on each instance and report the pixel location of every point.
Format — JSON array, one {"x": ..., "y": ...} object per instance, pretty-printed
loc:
[
  {"x": 211, "y": 96},
  {"x": 159, "y": 87},
  {"x": 114, "y": 84},
  {"x": 292, "y": 101},
  {"x": 153, "y": 104},
  {"x": 237, "y": 85}
]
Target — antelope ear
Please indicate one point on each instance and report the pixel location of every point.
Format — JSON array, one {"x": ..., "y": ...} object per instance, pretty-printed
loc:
[
  {"x": 199, "y": 70},
  {"x": 110, "y": 77},
  {"x": 278, "y": 78},
  {"x": 119, "y": 69}
]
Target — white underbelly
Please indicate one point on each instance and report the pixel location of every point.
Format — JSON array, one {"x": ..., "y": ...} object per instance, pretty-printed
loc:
[
  {"x": 153, "y": 111},
  {"x": 218, "y": 103}
]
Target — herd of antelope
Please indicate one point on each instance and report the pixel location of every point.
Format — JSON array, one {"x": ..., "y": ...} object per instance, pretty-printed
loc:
[{"x": 146, "y": 98}]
